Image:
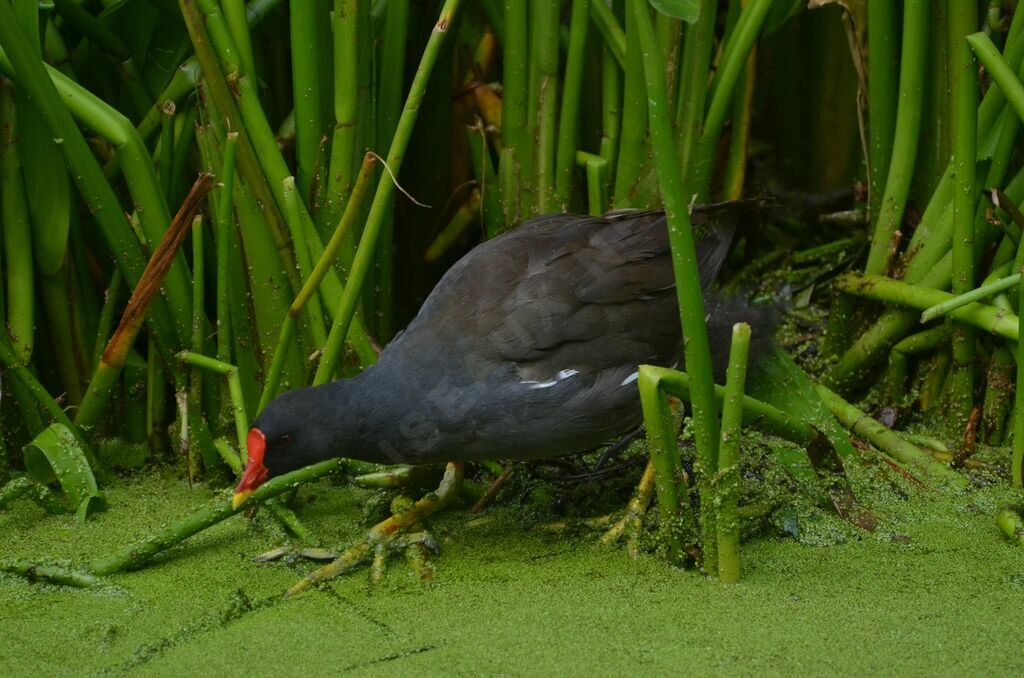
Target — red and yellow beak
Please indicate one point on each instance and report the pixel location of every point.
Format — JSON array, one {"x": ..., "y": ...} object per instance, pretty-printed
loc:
[{"x": 255, "y": 471}]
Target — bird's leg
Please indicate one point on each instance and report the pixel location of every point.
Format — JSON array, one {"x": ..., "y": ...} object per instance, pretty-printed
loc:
[
  {"x": 385, "y": 532},
  {"x": 632, "y": 522}
]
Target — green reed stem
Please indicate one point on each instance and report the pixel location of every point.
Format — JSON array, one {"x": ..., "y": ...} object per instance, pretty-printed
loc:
[
  {"x": 723, "y": 90},
  {"x": 883, "y": 83},
  {"x": 225, "y": 220},
  {"x": 303, "y": 20},
  {"x": 542, "y": 108},
  {"x": 385, "y": 191},
  {"x": 888, "y": 441},
  {"x": 899, "y": 293},
  {"x": 139, "y": 552},
  {"x": 976, "y": 294},
  {"x": 684, "y": 264},
  {"x": 633, "y": 147},
  {"x": 963, "y": 18},
  {"x": 17, "y": 232},
  {"x": 568, "y": 123},
  {"x": 609, "y": 28},
  {"x": 728, "y": 478},
  {"x": 323, "y": 266},
  {"x": 693, "y": 87},
  {"x": 913, "y": 65}
]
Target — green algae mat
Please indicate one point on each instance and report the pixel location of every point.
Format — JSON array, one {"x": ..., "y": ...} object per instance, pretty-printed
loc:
[{"x": 936, "y": 589}]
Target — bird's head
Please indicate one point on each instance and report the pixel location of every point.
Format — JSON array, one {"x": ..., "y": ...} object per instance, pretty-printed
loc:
[{"x": 282, "y": 439}]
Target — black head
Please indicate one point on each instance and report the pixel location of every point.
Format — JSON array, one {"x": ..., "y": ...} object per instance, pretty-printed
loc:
[{"x": 289, "y": 434}]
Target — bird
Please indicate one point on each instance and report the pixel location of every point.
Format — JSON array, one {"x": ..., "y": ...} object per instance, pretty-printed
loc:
[{"x": 528, "y": 347}]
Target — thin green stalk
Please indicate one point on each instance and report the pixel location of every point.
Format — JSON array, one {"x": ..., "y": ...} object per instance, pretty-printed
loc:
[
  {"x": 389, "y": 107},
  {"x": 887, "y": 290},
  {"x": 728, "y": 478},
  {"x": 693, "y": 88},
  {"x": 106, "y": 320},
  {"x": 609, "y": 28},
  {"x": 303, "y": 20},
  {"x": 724, "y": 88},
  {"x": 346, "y": 109},
  {"x": 684, "y": 264},
  {"x": 225, "y": 219},
  {"x": 913, "y": 65},
  {"x": 883, "y": 69},
  {"x": 514, "y": 105},
  {"x": 486, "y": 179},
  {"x": 323, "y": 267},
  {"x": 463, "y": 218},
  {"x": 385, "y": 191},
  {"x": 139, "y": 552},
  {"x": 314, "y": 313},
  {"x": 742, "y": 114},
  {"x": 633, "y": 140},
  {"x": 611, "y": 104},
  {"x": 166, "y": 158},
  {"x": 17, "y": 233},
  {"x": 239, "y": 19},
  {"x": 899, "y": 367},
  {"x": 565, "y": 159},
  {"x": 543, "y": 102},
  {"x": 1017, "y": 464},
  {"x": 195, "y": 391},
  {"x": 977, "y": 294}
]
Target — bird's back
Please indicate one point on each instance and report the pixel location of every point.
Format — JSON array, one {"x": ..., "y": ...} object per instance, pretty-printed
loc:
[{"x": 528, "y": 346}]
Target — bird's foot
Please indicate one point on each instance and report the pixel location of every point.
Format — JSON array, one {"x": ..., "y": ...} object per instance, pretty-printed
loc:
[
  {"x": 392, "y": 534},
  {"x": 631, "y": 524}
]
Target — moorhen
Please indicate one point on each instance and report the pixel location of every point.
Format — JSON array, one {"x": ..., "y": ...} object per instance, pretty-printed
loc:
[{"x": 528, "y": 347}]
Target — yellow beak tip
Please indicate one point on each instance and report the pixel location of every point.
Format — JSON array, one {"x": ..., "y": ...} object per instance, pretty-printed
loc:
[{"x": 239, "y": 499}]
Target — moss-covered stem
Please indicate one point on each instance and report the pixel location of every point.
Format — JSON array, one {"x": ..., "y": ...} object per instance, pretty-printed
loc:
[
  {"x": 568, "y": 121},
  {"x": 138, "y": 552},
  {"x": 887, "y": 440},
  {"x": 916, "y": 20},
  {"x": 684, "y": 263},
  {"x": 728, "y": 479},
  {"x": 669, "y": 479},
  {"x": 382, "y": 199}
]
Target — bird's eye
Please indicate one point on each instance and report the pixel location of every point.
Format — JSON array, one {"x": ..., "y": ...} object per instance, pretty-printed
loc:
[{"x": 285, "y": 440}]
